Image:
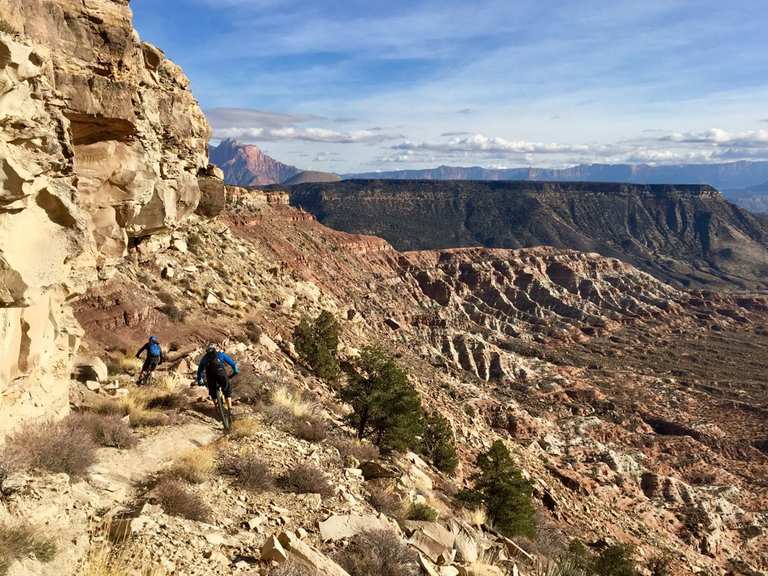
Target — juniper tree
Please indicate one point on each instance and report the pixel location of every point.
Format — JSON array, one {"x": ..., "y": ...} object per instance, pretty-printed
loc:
[
  {"x": 317, "y": 342},
  {"x": 437, "y": 443},
  {"x": 385, "y": 407}
]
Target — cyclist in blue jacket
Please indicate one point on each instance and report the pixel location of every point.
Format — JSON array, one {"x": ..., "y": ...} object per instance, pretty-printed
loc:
[
  {"x": 212, "y": 372},
  {"x": 153, "y": 359}
]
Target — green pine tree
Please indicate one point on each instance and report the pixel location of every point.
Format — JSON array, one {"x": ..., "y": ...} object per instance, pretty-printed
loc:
[
  {"x": 385, "y": 407},
  {"x": 437, "y": 443},
  {"x": 317, "y": 342},
  {"x": 500, "y": 486}
]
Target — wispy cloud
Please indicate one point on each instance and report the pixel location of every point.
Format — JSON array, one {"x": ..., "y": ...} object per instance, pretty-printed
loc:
[{"x": 321, "y": 135}]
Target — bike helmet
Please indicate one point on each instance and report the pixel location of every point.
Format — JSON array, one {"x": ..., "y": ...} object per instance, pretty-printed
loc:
[
  {"x": 153, "y": 338},
  {"x": 211, "y": 347}
]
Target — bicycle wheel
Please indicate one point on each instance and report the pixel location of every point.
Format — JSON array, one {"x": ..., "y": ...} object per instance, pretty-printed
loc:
[{"x": 226, "y": 417}]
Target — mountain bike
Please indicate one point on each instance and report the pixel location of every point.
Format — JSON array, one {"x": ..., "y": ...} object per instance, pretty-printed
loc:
[{"x": 224, "y": 413}]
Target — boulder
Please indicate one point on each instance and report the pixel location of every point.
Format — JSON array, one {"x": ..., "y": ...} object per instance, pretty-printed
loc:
[
  {"x": 213, "y": 196},
  {"x": 273, "y": 551},
  {"x": 309, "y": 555},
  {"x": 90, "y": 369},
  {"x": 343, "y": 526}
]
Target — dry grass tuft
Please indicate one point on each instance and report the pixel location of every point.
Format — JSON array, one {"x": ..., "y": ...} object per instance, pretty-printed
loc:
[
  {"x": 251, "y": 472},
  {"x": 292, "y": 401},
  {"x": 307, "y": 479},
  {"x": 245, "y": 428},
  {"x": 176, "y": 499},
  {"x": 475, "y": 516},
  {"x": 105, "y": 560},
  {"x": 194, "y": 466},
  {"x": 380, "y": 552},
  {"x": 64, "y": 446},
  {"x": 21, "y": 541},
  {"x": 130, "y": 364}
]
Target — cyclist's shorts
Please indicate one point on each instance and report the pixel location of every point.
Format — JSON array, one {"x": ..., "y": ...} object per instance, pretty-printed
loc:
[
  {"x": 219, "y": 382},
  {"x": 150, "y": 363}
]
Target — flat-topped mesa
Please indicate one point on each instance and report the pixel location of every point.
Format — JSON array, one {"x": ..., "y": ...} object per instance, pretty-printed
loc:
[
  {"x": 684, "y": 234},
  {"x": 100, "y": 141}
]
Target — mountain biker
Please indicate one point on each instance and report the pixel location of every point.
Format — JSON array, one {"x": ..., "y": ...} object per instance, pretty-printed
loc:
[
  {"x": 153, "y": 359},
  {"x": 212, "y": 372}
]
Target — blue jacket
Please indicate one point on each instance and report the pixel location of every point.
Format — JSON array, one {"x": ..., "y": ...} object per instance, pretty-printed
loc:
[{"x": 222, "y": 358}]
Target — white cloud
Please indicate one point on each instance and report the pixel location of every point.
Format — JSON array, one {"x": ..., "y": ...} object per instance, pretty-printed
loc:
[
  {"x": 719, "y": 137},
  {"x": 292, "y": 133},
  {"x": 223, "y": 118}
]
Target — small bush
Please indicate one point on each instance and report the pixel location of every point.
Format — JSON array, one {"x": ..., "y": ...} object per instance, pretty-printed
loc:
[
  {"x": 385, "y": 500},
  {"x": 249, "y": 388},
  {"x": 312, "y": 429},
  {"x": 307, "y": 479},
  {"x": 380, "y": 552},
  {"x": 251, "y": 472},
  {"x": 105, "y": 560},
  {"x": 317, "y": 343},
  {"x": 500, "y": 486},
  {"x": 21, "y": 541},
  {"x": 7, "y": 28},
  {"x": 660, "y": 566},
  {"x": 106, "y": 430},
  {"x": 194, "y": 466},
  {"x": 64, "y": 446},
  {"x": 385, "y": 407},
  {"x": 175, "y": 499},
  {"x": 170, "y": 401},
  {"x": 253, "y": 331},
  {"x": 360, "y": 451},
  {"x": 292, "y": 568},
  {"x": 616, "y": 560},
  {"x": 422, "y": 512},
  {"x": 173, "y": 312},
  {"x": 243, "y": 428},
  {"x": 437, "y": 443}
]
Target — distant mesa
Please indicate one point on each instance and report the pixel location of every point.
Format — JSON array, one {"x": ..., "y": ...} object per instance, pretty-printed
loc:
[
  {"x": 688, "y": 235},
  {"x": 740, "y": 182},
  {"x": 247, "y": 165}
]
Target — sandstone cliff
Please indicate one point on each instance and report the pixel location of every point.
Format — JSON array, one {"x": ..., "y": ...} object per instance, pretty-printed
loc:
[
  {"x": 688, "y": 235},
  {"x": 100, "y": 141}
]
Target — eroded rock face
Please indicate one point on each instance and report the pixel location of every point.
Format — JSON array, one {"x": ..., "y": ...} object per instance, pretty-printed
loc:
[{"x": 100, "y": 140}]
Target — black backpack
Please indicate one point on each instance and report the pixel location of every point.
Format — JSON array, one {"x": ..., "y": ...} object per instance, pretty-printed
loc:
[{"x": 214, "y": 368}]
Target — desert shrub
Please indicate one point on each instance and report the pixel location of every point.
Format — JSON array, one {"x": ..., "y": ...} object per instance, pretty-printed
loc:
[
  {"x": 6, "y": 27},
  {"x": 317, "y": 342},
  {"x": 250, "y": 471},
  {"x": 307, "y": 479},
  {"x": 422, "y": 512},
  {"x": 500, "y": 486},
  {"x": 64, "y": 446},
  {"x": 292, "y": 568},
  {"x": 19, "y": 541},
  {"x": 253, "y": 331},
  {"x": 106, "y": 430},
  {"x": 243, "y": 428},
  {"x": 437, "y": 443},
  {"x": 312, "y": 429},
  {"x": 249, "y": 388},
  {"x": 170, "y": 401},
  {"x": 616, "y": 560},
  {"x": 385, "y": 407},
  {"x": 176, "y": 500},
  {"x": 361, "y": 451},
  {"x": 194, "y": 466},
  {"x": 379, "y": 552},
  {"x": 385, "y": 500},
  {"x": 558, "y": 567},
  {"x": 660, "y": 565},
  {"x": 105, "y": 560},
  {"x": 475, "y": 516},
  {"x": 173, "y": 312}
]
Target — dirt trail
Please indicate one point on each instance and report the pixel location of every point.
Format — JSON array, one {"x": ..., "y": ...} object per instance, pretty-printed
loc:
[{"x": 118, "y": 471}]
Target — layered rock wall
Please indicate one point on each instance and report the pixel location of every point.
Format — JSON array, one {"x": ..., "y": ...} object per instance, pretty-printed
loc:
[{"x": 100, "y": 141}]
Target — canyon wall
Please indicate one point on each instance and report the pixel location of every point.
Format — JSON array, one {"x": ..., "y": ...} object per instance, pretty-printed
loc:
[
  {"x": 101, "y": 141},
  {"x": 686, "y": 235}
]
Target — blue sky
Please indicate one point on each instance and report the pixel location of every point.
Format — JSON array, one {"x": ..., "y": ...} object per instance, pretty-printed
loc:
[{"x": 349, "y": 85}]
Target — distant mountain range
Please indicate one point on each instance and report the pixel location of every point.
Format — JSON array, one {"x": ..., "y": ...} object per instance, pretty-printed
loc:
[
  {"x": 744, "y": 183},
  {"x": 247, "y": 165}
]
